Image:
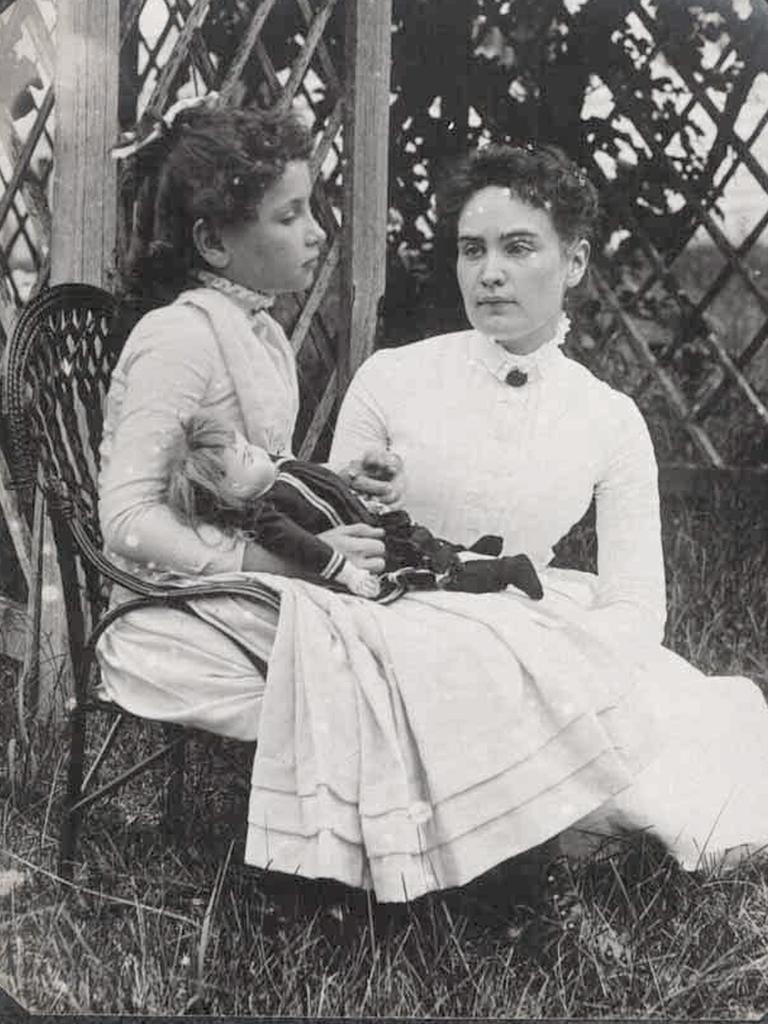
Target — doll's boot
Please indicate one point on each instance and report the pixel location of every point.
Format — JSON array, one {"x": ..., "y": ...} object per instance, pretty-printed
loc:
[
  {"x": 488, "y": 544},
  {"x": 487, "y": 575},
  {"x": 518, "y": 571}
]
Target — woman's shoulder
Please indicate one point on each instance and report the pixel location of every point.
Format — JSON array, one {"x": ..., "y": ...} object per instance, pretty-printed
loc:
[
  {"x": 588, "y": 381},
  {"x": 601, "y": 401},
  {"x": 416, "y": 354}
]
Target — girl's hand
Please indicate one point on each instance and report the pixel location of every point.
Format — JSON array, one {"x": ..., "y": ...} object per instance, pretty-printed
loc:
[
  {"x": 360, "y": 543},
  {"x": 378, "y": 474}
]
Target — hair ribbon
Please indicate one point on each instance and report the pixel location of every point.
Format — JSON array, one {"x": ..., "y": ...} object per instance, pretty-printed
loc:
[{"x": 131, "y": 143}]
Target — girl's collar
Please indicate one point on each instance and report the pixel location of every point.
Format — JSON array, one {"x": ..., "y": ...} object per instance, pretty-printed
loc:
[
  {"x": 249, "y": 301},
  {"x": 534, "y": 365}
]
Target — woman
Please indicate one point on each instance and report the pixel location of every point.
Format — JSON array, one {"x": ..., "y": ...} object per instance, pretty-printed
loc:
[
  {"x": 222, "y": 224},
  {"x": 499, "y": 430}
]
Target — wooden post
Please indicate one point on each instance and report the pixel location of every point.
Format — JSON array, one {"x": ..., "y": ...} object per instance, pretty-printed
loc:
[
  {"x": 82, "y": 249},
  {"x": 366, "y": 144},
  {"x": 85, "y": 189}
]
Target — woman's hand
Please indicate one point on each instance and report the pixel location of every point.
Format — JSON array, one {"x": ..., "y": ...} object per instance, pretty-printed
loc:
[
  {"x": 378, "y": 474},
  {"x": 360, "y": 543}
]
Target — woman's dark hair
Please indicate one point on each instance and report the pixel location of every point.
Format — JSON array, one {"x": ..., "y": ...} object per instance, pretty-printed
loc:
[
  {"x": 542, "y": 176},
  {"x": 213, "y": 164}
]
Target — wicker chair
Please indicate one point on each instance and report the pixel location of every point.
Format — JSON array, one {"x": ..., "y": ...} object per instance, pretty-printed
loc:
[{"x": 56, "y": 374}]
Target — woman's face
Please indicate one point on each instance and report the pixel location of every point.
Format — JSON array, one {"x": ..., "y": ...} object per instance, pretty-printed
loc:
[
  {"x": 278, "y": 249},
  {"x": 513, "y": 268}
]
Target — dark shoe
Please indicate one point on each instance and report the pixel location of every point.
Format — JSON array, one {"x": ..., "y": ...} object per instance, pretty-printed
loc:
[
  {"x": 489, "y": 544},
  {"x": 518, "y": 571},
  {"x": 488, "y": 575}
]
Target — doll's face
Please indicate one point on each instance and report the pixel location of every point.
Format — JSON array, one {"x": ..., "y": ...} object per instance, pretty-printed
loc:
[{"x": 248, "y": 470}]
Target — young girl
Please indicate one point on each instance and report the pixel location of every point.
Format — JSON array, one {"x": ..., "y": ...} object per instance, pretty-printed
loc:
[
  {"x": 216, "y": 477},
  {"x": 222, "y": 222}
]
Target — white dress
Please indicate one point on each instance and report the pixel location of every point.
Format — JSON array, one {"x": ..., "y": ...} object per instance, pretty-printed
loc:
[
  {"x": 222, "y": 356},
  {"x": 484, "y": 457}
]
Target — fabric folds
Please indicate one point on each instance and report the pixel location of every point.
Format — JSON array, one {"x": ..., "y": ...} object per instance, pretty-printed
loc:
[{"x": 387, "y": 762}]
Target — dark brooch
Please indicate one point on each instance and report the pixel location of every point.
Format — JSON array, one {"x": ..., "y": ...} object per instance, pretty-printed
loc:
[{"x": 516, "y": 378}]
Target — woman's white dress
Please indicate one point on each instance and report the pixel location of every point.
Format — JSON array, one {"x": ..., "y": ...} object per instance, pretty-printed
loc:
[{"x": 482, "y": 456}]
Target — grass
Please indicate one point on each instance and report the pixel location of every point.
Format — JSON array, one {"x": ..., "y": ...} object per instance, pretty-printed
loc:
[{"x": 151, "y": 924}]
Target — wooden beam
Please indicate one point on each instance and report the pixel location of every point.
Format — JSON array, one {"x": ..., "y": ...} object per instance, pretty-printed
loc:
[
  {"x": 82, "y": 249},
  {"x": 366, "y": 142},
  {"x": 85, "y": 181}
]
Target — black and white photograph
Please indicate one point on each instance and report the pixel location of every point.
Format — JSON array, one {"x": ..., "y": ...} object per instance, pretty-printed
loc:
[{"x": 383, "y": 509}]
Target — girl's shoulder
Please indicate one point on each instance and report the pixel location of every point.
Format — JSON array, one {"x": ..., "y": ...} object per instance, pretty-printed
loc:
[{"x": 177, "y": 327}]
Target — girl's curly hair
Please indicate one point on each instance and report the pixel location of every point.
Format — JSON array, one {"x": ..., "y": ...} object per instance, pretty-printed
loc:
[
  {"x": 213, "y": 164},
  {"x": 542, "y": 176}
]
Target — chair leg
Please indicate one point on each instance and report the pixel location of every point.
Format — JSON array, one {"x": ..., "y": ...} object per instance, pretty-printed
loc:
[
  {"x": 71, "y": 823},
  {"x": 174, "y": 790}
]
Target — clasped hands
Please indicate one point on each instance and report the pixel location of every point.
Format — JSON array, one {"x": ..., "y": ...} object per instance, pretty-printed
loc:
[{"x": 378, "y": 474}]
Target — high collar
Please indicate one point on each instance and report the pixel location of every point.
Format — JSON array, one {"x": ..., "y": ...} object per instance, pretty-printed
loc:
[
  {"x": 536, "y": 365},
  {"x": 249, "y": 301}
]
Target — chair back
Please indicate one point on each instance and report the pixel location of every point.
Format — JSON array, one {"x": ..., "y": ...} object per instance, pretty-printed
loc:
[{"x": 56, "y": 373}]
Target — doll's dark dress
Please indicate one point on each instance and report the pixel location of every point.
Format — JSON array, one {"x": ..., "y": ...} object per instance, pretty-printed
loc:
[{"x": 306, "y": 499}]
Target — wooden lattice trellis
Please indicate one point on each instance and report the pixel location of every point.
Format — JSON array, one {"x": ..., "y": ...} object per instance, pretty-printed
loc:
[
  {"x": 725, "y": 399},
  {"x": 26, "y": 152}
]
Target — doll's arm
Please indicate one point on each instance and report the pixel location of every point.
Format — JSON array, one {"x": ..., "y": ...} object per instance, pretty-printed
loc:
[{"x": 283, "y": 536}]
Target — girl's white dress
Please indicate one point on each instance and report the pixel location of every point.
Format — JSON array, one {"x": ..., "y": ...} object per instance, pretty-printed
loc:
[{"x": 412, "y": 746}]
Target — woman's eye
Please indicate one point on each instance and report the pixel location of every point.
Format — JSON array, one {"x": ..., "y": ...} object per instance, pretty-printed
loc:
[
  {"x": 518, "y": 249},
  {"x": 471, "y": 251}
]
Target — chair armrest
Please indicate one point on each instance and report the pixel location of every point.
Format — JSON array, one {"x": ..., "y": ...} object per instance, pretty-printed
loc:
[{"x": 166, "y": 593}]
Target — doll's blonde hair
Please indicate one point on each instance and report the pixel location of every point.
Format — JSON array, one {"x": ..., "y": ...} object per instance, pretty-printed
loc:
[{"x": 195, "y": 473}]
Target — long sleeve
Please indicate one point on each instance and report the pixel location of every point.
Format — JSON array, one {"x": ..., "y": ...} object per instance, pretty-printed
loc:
[
  {"x": 361, "y": 422},
  {"x": 167, "y": 371},
  {"x": 631, "y": 592}
]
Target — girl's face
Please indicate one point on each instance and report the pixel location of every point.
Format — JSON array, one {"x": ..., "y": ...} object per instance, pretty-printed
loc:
[
  {"x": 278, "y": 249},
  {"x": 513, "y": 268},
  {"x": 248, "y": 471}
]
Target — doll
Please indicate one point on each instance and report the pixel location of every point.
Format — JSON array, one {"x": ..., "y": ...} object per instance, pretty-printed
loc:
[{"x": 216, "y": 476}]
